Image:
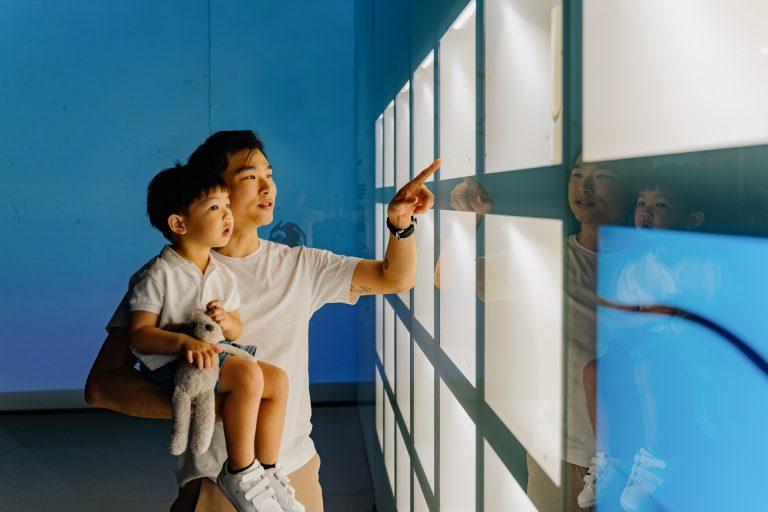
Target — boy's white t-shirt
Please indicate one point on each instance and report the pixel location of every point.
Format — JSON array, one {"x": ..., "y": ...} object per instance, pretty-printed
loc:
[
  {"x": 174, "y": 288},
  {"x": 280, "y": 287}
]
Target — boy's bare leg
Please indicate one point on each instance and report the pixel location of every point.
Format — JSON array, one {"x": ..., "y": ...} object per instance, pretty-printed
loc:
[
  {"x": 269, "y": 430},
  {"x": 242, "y": 385}
]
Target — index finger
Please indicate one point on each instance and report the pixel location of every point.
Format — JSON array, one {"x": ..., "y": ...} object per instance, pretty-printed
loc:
[
  {"x": 426, "y": 173},
  {"x": 213, "y": 304}
]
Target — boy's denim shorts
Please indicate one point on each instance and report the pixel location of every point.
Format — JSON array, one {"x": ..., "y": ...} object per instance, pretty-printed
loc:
[{"x": 164, "y": 376}]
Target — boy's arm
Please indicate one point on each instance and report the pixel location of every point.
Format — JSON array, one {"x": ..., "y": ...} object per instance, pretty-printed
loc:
[
  {"x": 231, "y": 325},
  {"x": 148, "y": 338}
]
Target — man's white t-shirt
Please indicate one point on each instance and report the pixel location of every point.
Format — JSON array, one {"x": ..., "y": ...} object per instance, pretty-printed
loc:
[
  {"x": 174, "y": 288},
  {"x": 280, "y": 287}
]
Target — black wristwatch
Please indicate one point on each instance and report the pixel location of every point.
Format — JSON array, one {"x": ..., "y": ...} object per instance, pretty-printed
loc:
[{"x": 402, "y": 233}]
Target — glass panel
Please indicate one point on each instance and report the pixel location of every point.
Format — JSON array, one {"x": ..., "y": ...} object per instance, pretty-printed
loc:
[
  {"x": 389, "y": 442},
  {"x": 699, "y": 85},
  {"x": 379, "y": 409},
  {"x": 389, "y": 343},
  {"x": 379, "y": 134},
  {"x": 424, "y": 412},
  {"x": 424, "y": 290},
  {"x": 502, "y": 492},
  {"x": 457, "y": 96},
  {"x": 403, "y": 368},
  {"x": 456, "y": 278},
  {"x": 524, "y": 332},
  {"x": 389, "y": 145},
  {"x": 523, "y": 86},
  {"x": 419, "y": 502},
  {"x": 424, "y": 115},
  {"x": 403, "y": 476},
  {"x": 403, "y": 137},
  {"x": 457, "y": 455}
]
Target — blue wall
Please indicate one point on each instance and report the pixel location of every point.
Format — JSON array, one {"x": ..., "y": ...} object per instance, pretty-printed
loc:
[{"x": 98, "y": 97}]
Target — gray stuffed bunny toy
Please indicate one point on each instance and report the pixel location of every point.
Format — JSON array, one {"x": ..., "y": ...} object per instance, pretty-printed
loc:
[{"x": 194, "y": 390}]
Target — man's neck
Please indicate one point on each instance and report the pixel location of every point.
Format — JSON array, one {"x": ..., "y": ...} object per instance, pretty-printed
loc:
[
  {"x": 241, "y": 244},
  {"x": 588, "y": 237},
  {"x": 198, "y": 255}
]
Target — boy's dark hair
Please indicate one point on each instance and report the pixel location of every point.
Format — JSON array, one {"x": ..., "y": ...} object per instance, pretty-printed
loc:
[
  {"x": 677, "y": 181},
  {"x": 213, "y": 154},
  {"x": 173, "y": 190}
]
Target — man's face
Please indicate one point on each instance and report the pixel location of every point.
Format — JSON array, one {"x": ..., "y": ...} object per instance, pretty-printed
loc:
[
  {"x": 655, "y": 209},
  {"x": 596, "y": 195},
  {"x": 252, "y": 190},
  {"x": 208, "y": 220}
]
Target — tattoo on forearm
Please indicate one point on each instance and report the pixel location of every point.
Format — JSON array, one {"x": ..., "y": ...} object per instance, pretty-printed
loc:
[
  {"x": 360, "y": 289},
  {"x": 386, "y": 263}
]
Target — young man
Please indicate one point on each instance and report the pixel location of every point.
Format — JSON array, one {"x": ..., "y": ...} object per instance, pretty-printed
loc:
[{"x": 281, "y": 287}]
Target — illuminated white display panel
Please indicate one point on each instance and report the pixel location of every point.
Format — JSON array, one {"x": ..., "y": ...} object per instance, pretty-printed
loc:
[
  {"x": 424, "y": 115},
  {"x": 379, "y": 409},
  {"x": 502, "y": 492},
  {"x": 424, "y": 290},
  {"x": 379, "y": 134},
  {"x": 419, "y": 502},
  {"x": 523, "y": 84},
  {"x": 389, "y": 442},
  {"x": 457, "y": 96},
  {"x": 389, "y": 343},
  {"x": 523, "y": 332},
  {"x": 403, "y": 137},
  {"x": 669, "y": 77},
  {"x": 403, "y": 492},
  {"x": 457, "y": 455},
  {"x": 389, "y": 145},
  {"x": 379, "y": 299},
  {"x": 379, "y": 233},
  {"x": 403, "y": 370},
  {"x": 424, "y": 412},
  {"x": 457, "y": 289}
]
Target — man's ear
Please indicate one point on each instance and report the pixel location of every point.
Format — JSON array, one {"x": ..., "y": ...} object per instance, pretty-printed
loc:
[
  {"x": 695, "y": 220},
  {"x": 176, "y": 224}
]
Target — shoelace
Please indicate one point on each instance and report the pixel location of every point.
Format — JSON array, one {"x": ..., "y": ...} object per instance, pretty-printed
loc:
[
  {"x": 260, "y": 490},
  {"x": 285, "y": 482},
  {"x": 642, "y": 469}
]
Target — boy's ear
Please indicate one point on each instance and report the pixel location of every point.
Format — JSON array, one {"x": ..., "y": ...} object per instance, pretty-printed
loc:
[
  {"x": 176, "y": 224},
  {"x": 695, "y": 220}
]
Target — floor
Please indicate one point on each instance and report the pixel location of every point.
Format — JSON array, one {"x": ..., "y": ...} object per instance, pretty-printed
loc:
[{"x": 100, "y": 461}]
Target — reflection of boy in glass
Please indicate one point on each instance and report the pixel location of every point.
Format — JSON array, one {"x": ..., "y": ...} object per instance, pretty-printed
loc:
[
  {"x": 661, "y": 204},
  {"x": 598, "y": 194}
]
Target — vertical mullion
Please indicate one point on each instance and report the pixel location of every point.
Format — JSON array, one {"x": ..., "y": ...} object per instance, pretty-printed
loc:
[{"x": 436, "y": 302}]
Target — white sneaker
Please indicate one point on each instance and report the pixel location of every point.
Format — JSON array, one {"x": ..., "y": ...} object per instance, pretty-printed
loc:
[
  {"x": 601, "y": 470},
  {"x": 284, "y": 491},
  {"x": 248, "y": 490},
  {"x": 642, "y": 481}
]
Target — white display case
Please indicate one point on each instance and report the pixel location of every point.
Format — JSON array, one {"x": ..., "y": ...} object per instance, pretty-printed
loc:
[
  {"x": 419, "y": 502},
  {"x": 424, "y": 289},
  {"x": 379, "y": 401},
  {"x": 456, "y": 275},
  {"x": 389, "y": 442},
  {"x": 523, "y": 84},
  {"x": 670, "y": 77},
  {"x": 379, "y": 233},
  {"x": 389, "y": 145},
  {"x": 389, "y": 343},
  {"x": 379, "y": 300},
  {"x": 457, "y": 96},
  {"x": 403, "y": 136},
  {"x": 403, "y": 371},
  {"x": 379, "y": 144},
  {"x": 403, "y": 492},
  {"x": 524, "y": 332},
  {"x": 502, "y": 492},
  {"x": 424, "y": 115},
  {"x": 424, "y": 412},
  {"x": 457, "y": 455}
]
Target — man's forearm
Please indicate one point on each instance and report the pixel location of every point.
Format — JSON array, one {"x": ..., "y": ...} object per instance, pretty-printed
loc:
[{"x": 399, "y": 266}]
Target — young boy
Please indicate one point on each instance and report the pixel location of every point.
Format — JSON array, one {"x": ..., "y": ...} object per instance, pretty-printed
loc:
[{"x": 191, "y": 208}]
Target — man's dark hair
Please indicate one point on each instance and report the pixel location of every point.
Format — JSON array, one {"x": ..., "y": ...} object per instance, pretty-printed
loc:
[
  {"x": 173, "y": 190},
  {"x": 214, "y": 153}
]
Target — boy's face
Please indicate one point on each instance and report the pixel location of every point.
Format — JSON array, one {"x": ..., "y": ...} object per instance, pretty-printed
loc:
[
  {"x": 596, "y": 195},
  {"x": 209, "y": 220},
  {"x": 252, "y": 190},
  {"x": 657, "y": 209}
]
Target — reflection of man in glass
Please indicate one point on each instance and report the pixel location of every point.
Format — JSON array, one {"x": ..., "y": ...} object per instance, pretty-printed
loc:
[{"x": 598, "y": 194}]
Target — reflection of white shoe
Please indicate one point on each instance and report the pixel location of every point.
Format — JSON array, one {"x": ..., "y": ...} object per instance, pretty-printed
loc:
[
  {"x": 285, "y": 494},
  {"x": 643, "y": 480},
  {"x": 249, "y": 490},
  {"x": 600, "y": 470}
]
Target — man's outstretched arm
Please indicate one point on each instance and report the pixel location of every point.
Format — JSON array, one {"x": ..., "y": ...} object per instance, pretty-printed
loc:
[
  {"x": 397, "y": 272},
  {"x": 114, "y": 384}
]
